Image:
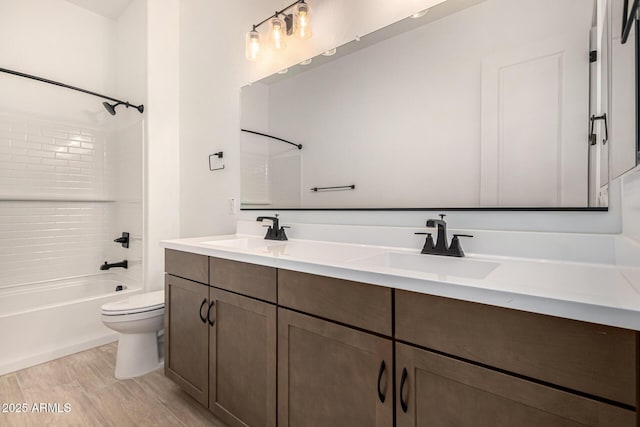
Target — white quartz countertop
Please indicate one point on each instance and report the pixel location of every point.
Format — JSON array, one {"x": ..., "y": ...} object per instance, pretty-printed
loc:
[{"x": 599, "y": 293}]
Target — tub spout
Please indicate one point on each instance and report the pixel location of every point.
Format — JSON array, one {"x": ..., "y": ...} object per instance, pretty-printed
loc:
[{"x": 123, "y": 264}]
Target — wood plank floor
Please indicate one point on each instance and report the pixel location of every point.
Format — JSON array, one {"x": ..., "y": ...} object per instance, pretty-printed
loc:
[{"x": 85, "y": 381}]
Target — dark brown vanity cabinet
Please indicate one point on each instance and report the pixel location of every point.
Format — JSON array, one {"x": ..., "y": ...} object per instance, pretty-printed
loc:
[
  {"x": 186, "y": 336},
  {"x": 332, "y": 374},
  {"x": 436, "y": 390},
  {"x": 242, "y": 360},
  {"x": 186, "y": 329},
  {"x": 220, "y": 347},
  {"x": 507, "y": 367},
  {"x": 246, "y": 340}
]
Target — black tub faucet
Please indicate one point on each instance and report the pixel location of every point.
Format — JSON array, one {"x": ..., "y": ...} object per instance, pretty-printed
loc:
[
  {"x": 274, "y": 232},
  {"x": 122, "y": 264}
]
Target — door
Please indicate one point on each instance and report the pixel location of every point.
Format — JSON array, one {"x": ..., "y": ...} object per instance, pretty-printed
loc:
[
  {"x": 187, "y": 336},
  {"x": 332, "y": 375},
  {"x": 435, "y": 390},
  {"x": 242, "y": 360},
  {"x": 534, "y": 117}
]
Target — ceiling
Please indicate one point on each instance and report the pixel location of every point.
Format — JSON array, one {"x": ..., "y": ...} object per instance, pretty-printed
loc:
[{"x": 108, "y": 8}]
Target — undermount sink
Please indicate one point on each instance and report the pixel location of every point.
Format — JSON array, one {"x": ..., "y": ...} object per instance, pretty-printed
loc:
[
  {"x": 244, "y": 243},
  {"x": 430, "y": 264}
]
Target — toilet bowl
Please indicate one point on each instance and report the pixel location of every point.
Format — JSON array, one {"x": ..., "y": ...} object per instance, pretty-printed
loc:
[{"x": 139, "y": 319}]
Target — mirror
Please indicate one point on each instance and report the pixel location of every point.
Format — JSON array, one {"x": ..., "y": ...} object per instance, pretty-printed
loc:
[
  {"x": 478, "y": 104},
  {"x": 623, "y": 99}
]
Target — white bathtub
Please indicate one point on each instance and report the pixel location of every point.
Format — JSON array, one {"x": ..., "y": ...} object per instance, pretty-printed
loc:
[{"x": 44, "y": 321}]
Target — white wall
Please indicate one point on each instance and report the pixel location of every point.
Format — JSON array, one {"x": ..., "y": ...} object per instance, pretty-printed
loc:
[
  {"x": 42, "y": 38},
  {"x": 211, "y": 67},
  {"x": 162, "y": 209}
]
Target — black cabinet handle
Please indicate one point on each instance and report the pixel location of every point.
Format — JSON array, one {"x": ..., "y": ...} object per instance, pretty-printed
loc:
[
  {"x": 403, "y": 404},
  {"x": 383, "y": 367},
  {"x": 211, "y": 322},
  {"x": 204, "y": 301}
]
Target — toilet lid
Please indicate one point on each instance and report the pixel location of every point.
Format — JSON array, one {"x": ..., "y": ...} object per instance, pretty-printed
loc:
[{"x": 136, "y": 303}]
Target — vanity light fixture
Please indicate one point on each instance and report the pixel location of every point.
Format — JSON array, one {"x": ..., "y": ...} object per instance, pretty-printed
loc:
[
  {"x": 306, "y": 61},
  {"x": 301, "y": 21},
  {"x": 252, "y": 46},
  {"x": 281, "y": 25},
  {"x": 420, "y": 14},
  {"x": 278, "y": 33},
  {"x": 283, "y": 71}
]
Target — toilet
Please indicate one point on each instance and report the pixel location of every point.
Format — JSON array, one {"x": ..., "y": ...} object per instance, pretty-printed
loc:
[{"x": 139, "y": 319}]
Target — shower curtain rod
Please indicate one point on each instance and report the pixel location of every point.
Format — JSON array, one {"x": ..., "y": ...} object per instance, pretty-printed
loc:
[{"x": 52, "y": 82}]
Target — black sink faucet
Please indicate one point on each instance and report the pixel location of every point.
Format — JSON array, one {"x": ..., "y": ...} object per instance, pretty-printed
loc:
[
  {"x": 441, "y": 244},
  {"x": 442, "y": 247},
  {"x": 275, "y": 232},
  {"x": 123, "y": 264}
]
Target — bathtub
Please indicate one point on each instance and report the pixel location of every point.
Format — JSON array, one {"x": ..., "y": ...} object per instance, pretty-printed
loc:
[{"x": 43, "y": 321}]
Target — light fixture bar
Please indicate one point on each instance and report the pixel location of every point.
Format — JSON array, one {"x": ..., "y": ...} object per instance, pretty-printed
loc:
[
  {"x": 282, "y": 24},
  {"x": 280, "y": 12}
]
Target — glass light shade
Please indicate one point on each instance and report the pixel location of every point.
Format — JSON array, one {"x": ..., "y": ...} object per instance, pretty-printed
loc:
[
  {"x": 301, "y": 21},
  {"x": 278, "y": 34},
  {"x": 252, "y": 45}
]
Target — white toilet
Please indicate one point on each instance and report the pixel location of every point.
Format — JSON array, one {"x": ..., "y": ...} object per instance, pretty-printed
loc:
[{"x": 139, "y": 319}]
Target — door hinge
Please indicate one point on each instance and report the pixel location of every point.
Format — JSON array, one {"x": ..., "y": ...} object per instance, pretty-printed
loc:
[{"x": 593, "y": 56}]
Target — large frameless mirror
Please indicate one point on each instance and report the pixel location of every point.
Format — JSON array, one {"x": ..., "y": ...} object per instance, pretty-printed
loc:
[{"x": 477, "y": 104}]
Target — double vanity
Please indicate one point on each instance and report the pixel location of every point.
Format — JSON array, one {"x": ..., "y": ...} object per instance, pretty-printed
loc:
[{"x": 309, "y": 332}]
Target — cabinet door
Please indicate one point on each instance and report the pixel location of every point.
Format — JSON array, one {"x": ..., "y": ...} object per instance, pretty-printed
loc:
[
  {"x": 435, "y": 390},
  {"x": 187, "y": 336},
  {"x": 332, "y": 375},
  {"x": 242, "y": 360}
]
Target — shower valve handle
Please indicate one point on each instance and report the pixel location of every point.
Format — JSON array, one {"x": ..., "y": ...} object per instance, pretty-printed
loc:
[{"x": 124, "y": 240}]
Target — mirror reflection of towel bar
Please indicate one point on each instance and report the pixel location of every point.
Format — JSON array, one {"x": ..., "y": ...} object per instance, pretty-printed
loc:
[{"x": 342, "y": 187}]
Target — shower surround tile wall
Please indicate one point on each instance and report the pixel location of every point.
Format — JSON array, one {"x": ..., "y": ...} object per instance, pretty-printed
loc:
[
  {"x": 52, "y": 174},
  {"x": 40, "y": 158},
  {"x": 67, "y": 191},
  {"x": 48, "y": 240}
]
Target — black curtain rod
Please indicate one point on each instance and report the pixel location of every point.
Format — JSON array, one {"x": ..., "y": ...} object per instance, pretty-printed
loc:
[
  {"x": 52, "y": 82},
  {"x": 272, "y": 137}
]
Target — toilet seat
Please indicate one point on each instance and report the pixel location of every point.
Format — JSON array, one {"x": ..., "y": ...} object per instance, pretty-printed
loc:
[{"x": 136, "y": 304}]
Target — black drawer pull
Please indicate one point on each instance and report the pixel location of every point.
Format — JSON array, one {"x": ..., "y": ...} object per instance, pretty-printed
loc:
[
  {"x": 383, "y": 367},
  {"x": 204, "y": 301},
  {"x": 211, "y": 322},
  {"x": 403, "y": 404}
]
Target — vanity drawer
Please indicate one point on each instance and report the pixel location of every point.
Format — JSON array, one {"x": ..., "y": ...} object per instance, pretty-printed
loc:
[
  {"x": 357, "y": 304},
  {"x": 593, "y": 359},
  {"x": 187, "y": 265},
  {"x": 252, "y": 280}
]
